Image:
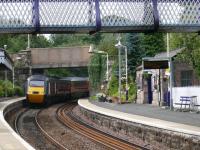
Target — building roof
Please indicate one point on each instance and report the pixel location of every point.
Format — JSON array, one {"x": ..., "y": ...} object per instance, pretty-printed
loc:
[
  {"x": 172, "y": 53},
  {"x": 160, "y": 60}
]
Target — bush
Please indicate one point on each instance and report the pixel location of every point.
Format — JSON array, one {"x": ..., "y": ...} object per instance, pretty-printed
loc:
[
  {"x": 113, "y": 86},
  {"x": 7, "y": 86},
  {"x": 10, "y": 91},
  {"x": 132, "y": 92},
  {"x": 1, "y": 91},
  {"x": 18, "y": 91}
]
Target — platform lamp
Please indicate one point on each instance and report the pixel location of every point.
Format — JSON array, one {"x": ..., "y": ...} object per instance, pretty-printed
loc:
[
  {"x": 119, "y": 46},
  {"x": 6, "y": 74}
]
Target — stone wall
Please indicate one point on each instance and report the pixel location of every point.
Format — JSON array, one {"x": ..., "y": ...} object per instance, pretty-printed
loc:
[{"x": 154, "y": 138}]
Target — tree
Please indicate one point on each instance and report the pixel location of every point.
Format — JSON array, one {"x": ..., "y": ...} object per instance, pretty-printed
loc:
[
  {"x": 135, "y": 51},
  {"x": 75, "y": 40},
  {"x": 39, "y": 42},
  {"x": 153, "y": 43},
  {"x": 107, "y": 44},
  {"x": 96, "y": 70},
  {"x": 191, "y": 54},
  {"x": 16, "y": 42}
]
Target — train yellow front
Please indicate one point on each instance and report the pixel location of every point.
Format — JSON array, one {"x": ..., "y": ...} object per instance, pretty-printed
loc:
[{"x": 45, "y": 90}]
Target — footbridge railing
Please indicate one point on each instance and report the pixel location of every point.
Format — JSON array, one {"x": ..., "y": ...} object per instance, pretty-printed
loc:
[{"x": 87, "y": 16}]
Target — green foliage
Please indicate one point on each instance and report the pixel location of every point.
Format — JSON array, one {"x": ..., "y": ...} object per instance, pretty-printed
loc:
[
  {"x": 16, "y": 42},
  {"x": 6, "y": 86},
  {"x": 153, "y": 43},
  {"x": 96, "y": 70},
  {"x": 18, "y": 91},
  {"x": 132, "y": 91},
  {"x": 191, "y": 54},
  {"x": 75, "y": 40},
  {"x": 108, "y": 44},
  {"x": 94, "y": 97},
  {"x": 39, "y": 42},
  {"x": 113, "y": 86},
  {"x": 67, "y": 72},
  {"x": 57, "y": 72},
  {"x": 141, "y": 45},
  {"x": 135, "y": 51},
  {"x": 176, "y": 41},
  {"x": 1, "y": 91}
]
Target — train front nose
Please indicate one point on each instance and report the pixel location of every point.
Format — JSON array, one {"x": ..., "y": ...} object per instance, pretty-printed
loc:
[{"x": 35, "y": 94}]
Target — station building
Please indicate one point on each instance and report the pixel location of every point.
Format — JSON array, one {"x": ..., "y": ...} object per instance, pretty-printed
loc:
[{"x": 153, "y": 83}]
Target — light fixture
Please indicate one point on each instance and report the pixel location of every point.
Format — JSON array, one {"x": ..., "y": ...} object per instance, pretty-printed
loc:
[{"x": 91, "y": 49}]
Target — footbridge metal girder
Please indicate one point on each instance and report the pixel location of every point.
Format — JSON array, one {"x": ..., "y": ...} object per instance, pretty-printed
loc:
[{"x": 87, "y": 16}]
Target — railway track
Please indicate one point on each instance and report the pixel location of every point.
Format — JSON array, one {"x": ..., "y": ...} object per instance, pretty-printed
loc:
[
  {"x": 27, "y": 127},
  {"x": 47, "y": 135},
  {"x": 63, "y": 115}
]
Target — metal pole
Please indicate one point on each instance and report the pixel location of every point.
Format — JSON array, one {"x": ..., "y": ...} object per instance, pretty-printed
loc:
[
  {"x": 107, "y": 67},
  {"x": 119, "y": 89},
  {"x": 126, "y": 74},
  {"x": 168, "y": 45},
  {"x": 171, "y": 100},
  {"x": 28, "y": 46},
  {"x": 6, "y": 94},
  {"x": 13, "y": 75},
  {"x": 107, "y": 72},
  {"x": 170, "y": 71}
]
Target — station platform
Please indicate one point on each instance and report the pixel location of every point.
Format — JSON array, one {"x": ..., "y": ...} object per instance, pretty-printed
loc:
[
  {"x": 182, "y": 122},
  {"x": 9, "y": 139}
]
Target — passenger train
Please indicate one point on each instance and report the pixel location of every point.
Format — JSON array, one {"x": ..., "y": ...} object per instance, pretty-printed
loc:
[{"x": 46, "y": 90}]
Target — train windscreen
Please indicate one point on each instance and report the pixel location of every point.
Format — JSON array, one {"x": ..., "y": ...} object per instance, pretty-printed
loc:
[{"x": 36, "y": 83}]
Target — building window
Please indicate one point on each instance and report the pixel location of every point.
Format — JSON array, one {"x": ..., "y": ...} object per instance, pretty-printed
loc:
[{"x": 186, "y": 78}]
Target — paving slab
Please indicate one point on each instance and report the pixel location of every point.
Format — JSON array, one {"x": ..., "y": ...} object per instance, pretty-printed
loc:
[{"x": 9, "y": 139}]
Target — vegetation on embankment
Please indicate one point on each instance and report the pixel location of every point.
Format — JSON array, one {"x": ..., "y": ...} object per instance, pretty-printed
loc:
[{"x": 7, "y": 87}]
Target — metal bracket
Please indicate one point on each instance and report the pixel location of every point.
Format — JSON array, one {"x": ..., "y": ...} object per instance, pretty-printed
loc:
[
  {"x": 155, "y": 15},
  {"x": 36, "y": 16},
  {"x": 98, "y": 18}
]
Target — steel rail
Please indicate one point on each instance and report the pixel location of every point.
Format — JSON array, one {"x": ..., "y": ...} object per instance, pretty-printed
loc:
[
  {"x": 17, "y": 120},
  {"x": 50, "y": 138},
  {"x": 107, "y": 140}
]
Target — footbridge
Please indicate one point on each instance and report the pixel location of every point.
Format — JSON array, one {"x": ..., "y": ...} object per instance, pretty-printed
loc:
[{"x": 88, "y": 16}]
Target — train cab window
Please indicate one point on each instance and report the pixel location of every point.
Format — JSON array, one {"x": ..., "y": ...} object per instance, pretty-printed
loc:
[{"x": 36, "y": 83}]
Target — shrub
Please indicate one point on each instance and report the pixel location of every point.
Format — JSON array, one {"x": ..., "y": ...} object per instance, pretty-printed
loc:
[
  {"x": 7, "y": 87},
  {"x": 132, "y": 92},
  {"x": 1, "y": 91},
  {"x": 18, "y": 91},
  {"x": 113, "y": 86},
  {"x": 10, "y": 91}
]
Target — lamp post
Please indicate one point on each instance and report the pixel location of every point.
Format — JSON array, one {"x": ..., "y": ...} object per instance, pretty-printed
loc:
[
  {"x": 119, "y": 46},
  {"x": 6, "y": 74},
  {"x": 170, "y": 82},
  {"x": 126, "y": 73},
  {"x": 107, "y": 60}
]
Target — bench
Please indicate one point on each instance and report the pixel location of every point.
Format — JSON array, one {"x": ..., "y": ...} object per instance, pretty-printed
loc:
[{"x": 190, "y": 101}]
